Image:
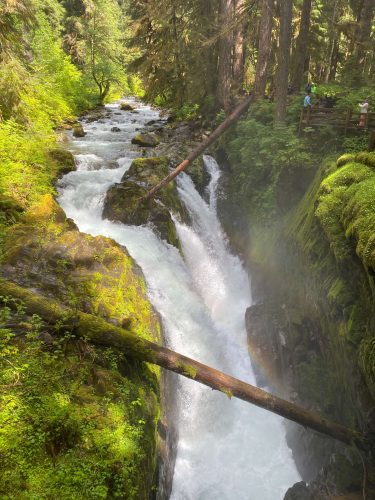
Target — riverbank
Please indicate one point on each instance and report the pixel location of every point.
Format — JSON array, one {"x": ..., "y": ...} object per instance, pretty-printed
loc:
[{"x": 75, "y": 418}]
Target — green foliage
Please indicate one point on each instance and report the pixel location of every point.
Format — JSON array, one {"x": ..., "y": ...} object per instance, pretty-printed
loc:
[
  {"x": 25, "y": 171},
  {"x": 188, "y": 112},
  {"x": 268, "y": 162},
  {"x": 98, "y": 38},
  {"x": 69, "y": 428},
  {"x": 59, "y": 85},
  {"x": 174, "y": 51}
]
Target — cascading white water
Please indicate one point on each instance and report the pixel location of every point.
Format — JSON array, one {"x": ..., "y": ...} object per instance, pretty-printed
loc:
[{"x": 228, "y": 450}]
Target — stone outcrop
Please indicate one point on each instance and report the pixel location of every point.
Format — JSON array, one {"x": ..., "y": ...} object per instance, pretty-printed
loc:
[
  {"x": 64, "y": 159},
  {"x": 311, "y": 327},
  {"x": 45, "y": 252},
  {"x": 125, "y": 106},
  {"x": 146, "y": 140},
  {"x": 122, "y": 200},
  {"x": 78, "y": 130}
]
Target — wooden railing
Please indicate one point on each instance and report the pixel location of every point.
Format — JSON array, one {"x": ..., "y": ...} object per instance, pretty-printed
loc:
[{"x": 344, "y": 119}]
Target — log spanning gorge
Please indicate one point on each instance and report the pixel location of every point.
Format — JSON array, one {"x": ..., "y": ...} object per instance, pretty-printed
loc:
[{"x": 227, "y": 449}]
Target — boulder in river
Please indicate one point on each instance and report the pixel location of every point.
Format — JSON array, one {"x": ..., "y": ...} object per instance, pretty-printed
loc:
[
  {"x": 147, "y": 172},
  {"x": 78, "y": 130},
  {"x": 122, "y": 204},
  {"x": 115, "y": 129},
  {"x": 64, "y": 160},
  {"x": 125, "y": 106},
  {"x": 94, "y": 115},
  {"x": 146, "y": 140},
  {"x": 122, "y": 200}
]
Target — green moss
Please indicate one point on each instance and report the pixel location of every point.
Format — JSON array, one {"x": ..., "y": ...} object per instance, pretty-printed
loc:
[
  {"x": 187, "y": 370},
  {"x": 227, "y": 392},
  {"x": 366, "y": 158},
  {"x": 345, "y": 210},
  {"x": 64, "y": 160},
  {"x": 72, "y": 426},
  {"x": 94, "y": 416},
  {"x": 150, "y": 140},
  {"x": 148, "y": 172},
  {"x": 367, "y": 361},
  {"x": 344, "y": 159}
]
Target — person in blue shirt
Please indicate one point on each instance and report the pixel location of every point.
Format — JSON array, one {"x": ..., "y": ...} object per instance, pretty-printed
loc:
[{"x": 307, "y": 101}]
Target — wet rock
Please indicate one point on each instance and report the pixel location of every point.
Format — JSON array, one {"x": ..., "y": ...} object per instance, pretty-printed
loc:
[
  {"x": 299, "y": 491},
  {"x": 93, "y": 116},
  {"x": 112, "y": 165},
  {"x": 146, "y": 140},
  {"x": 78, "y": 130},
  {"x": 64, "y": 159},
  {"x": 124, "y": 106},
  {"x": 115, "y": 129},
  {"x": 122, "y": 204},
  {"x": 147, "y": 172}
]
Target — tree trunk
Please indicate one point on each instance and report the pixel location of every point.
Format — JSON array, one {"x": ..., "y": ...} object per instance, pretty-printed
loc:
[
  {"x": 264, "y": 48},
  {"x": 232, "y": 118},
  {"x": 283, "y": 58},
  {"x": 333, "y": 45},
  {"x": 225, "y": 55},
  {"x": 301, "y": 53},
  {"x": 363, "y": 34},
  {"x": 333, "y": 60},
  {"x": 99, "y": 332},
  {"x": 239, "y": 46}
]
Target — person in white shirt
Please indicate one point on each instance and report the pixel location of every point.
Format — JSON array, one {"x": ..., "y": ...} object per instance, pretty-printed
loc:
[{"x": 364, "y": 111}]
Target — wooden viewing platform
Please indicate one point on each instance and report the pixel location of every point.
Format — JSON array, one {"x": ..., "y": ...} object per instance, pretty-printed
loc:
[{"x": 344, "y": 119}]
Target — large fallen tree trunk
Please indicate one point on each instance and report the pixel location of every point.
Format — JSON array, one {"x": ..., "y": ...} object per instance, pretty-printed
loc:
[
  {"x": 232, "y": 118},
  {"x": 101, "y": 333}
]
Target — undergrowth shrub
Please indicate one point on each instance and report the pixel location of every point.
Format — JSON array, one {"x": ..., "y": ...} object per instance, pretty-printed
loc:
[{"x": 70, "y": 425}]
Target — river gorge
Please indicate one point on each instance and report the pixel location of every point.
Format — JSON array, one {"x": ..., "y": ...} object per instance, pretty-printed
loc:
[{"x": 226, "y": 449}]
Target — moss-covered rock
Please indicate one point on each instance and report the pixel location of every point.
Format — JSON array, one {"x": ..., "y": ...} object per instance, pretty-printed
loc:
[
  {"x": 147, "y": 172},
  {"x": 122, "y": 204},
  {"x": 122, "y": 201},
  {"x": 345, "y": 209},
  {"x": 150, "y": 140},
  {"x": 55, "y": 257},
  {"x": 64, "y": 160},
  {"x": 87, "y": 422},
  {"x": 78, "y": 130},
  {"x": 125, "y": 106}
]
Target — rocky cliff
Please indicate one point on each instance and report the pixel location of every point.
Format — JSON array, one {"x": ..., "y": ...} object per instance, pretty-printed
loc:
[{"x": 311, "y": 329}]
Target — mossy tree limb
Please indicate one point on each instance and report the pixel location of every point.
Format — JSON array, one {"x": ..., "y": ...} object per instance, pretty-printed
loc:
[{"x": 99, "y": 332}]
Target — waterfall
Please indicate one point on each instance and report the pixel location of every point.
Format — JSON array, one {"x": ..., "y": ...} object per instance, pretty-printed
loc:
[{"x": 228, "y": 449}]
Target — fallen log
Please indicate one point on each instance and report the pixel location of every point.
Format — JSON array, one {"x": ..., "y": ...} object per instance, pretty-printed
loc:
[
  {"x": 101, "y": 333},
  {"x": 232, "y": 118}
]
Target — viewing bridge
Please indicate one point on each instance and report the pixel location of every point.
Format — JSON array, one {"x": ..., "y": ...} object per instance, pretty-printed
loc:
[{"x": 344, "y": 119}]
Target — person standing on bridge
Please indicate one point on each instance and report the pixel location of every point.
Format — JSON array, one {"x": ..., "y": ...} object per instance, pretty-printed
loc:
[
  {"x": 364, "y": 111},
  {"x": 307, "y": 101}
]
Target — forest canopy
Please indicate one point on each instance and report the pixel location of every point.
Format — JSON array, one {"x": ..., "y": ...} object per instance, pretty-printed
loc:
[{"x": 194, "y": 56}]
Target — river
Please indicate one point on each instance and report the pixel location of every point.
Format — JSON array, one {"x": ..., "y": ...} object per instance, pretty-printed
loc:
[{"x": 227, "y": 449}]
